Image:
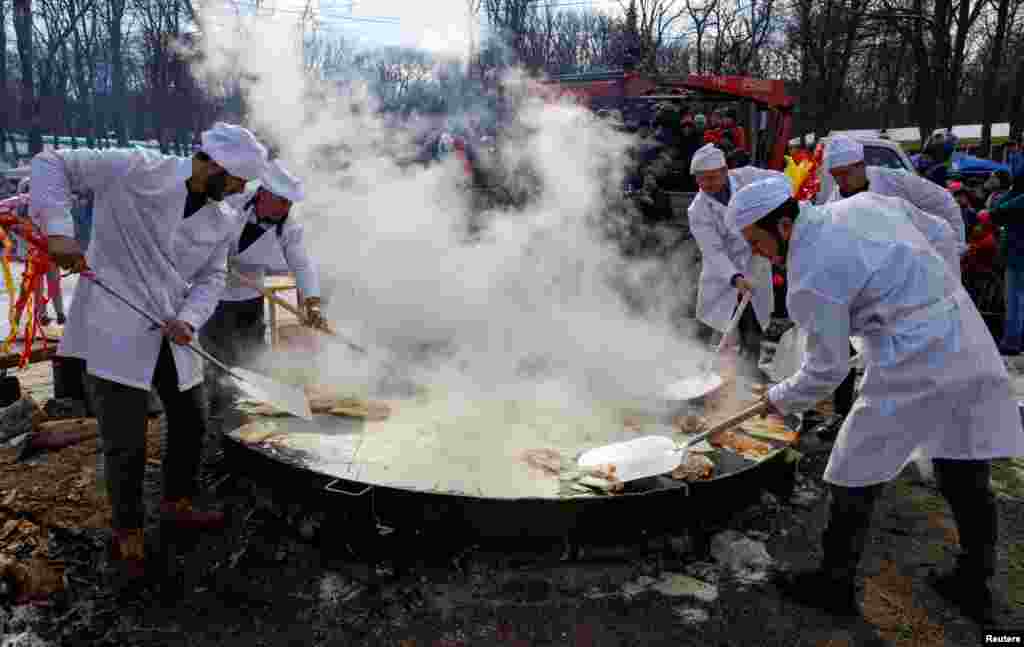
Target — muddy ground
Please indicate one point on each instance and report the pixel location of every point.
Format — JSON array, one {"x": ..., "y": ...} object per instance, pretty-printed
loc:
[{"x": 270, "y": 579}]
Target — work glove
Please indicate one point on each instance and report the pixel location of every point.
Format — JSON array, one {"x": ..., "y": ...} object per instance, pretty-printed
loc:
[
  {"x": 178, "y": 331},
  {"x": 66, "y": 253},
  {"x": 314, "y": 316}
]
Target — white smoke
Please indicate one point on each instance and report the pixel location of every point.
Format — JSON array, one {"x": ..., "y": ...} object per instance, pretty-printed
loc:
[{"x": 528, "y": 312}]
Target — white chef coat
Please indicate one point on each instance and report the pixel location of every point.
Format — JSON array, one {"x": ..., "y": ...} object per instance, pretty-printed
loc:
[
  {"x": 933, "y": 378},
  {"x": 923, "y": 194},
  {"x": 143, "y": 248},
  {"x": 271, "y": 251},
  {"x": 938, "y": 232},
  {"x": 725, "y": 254}
]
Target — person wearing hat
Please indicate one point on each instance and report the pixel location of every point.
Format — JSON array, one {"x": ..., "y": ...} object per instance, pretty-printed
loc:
[
  {"x": 934, "y": 381},
  {"x": 1008, "y": 214},
  {"x": 962, "y": 196},
  {"x": 271, "y": 237},
  {"x": 844, "y": 160},
  {"x": 161, "y": 236},
  {"x": 996, "y": 186},
  {"x": 728, "y": 268}
]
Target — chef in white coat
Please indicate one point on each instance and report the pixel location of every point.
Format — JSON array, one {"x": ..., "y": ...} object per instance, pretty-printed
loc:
[
  {"x": 844, "y": 160},
  {"x": 728, "y": 268},
  {"x": 933, "y": 379},
  {"x": 271, "y": 237},
  {"x": 161, "y": 237}
]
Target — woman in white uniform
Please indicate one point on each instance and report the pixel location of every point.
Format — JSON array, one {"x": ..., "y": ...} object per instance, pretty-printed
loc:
[
  {"x": 933, "y": 378},
  {"x": 728, "y": 269},
  {"x": 270, "y": 238}
]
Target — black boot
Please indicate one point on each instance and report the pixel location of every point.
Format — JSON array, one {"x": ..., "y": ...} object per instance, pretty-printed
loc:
[
  {"x": 821, "y": 589},
  {"x": 968, "y": 593}
]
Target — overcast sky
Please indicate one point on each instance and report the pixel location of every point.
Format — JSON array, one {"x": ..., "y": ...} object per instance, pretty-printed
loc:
[{"x": 438, "y": 25}]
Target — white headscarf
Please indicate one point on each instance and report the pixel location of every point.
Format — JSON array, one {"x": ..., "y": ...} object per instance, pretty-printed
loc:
[
  {"x": 843, "y": 151},
  {"x": 281, "y": 183},
  {"x": 757, "y": 200},
  {"x": 707, "y": 158},
  {"x": 236, "y": 149}
]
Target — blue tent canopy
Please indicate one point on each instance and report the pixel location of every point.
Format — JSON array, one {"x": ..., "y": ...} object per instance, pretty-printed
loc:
[{"x": 970, "y": 165}]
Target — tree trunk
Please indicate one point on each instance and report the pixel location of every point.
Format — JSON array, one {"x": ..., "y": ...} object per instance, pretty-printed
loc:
[
  {"x": 117, "y": 98},
  {"x": 4, "y": 110},
  {"x": 938, "y": 67},
  {"x": 30, "y": 113},
  {"x": 1017, "y": 104},
  {"x": 990, "y": 106}
]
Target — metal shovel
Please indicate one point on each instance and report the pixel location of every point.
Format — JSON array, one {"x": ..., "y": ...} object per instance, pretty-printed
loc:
[
  {"x": 282, "y": 397},
  {"x": 653, "y": 455},
  {"x": 255, "y": 285},
  {"x": 707, "y": 380}
]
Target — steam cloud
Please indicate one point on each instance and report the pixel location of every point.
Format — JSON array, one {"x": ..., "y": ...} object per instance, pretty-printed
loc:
[{"x": 534, "y": 310}]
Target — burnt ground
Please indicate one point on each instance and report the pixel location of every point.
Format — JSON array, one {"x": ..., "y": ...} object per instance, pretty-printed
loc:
[{"x": 274, "y": 578}]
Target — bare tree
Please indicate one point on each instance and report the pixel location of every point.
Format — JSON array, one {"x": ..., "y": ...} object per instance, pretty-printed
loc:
[
  {"x": 114, "y": 13},
  {"x": 510, "y": 18},
  {"x": 741, "y": 31},
  {"x": 655, "y": 20},
  {"x": 701, "y": 17},
  {"x": 829, "y": 35},
  {"x": 30, "y": 114},
  {"x": 995, "y": 63},
  {"x": 5, "y": 121}
]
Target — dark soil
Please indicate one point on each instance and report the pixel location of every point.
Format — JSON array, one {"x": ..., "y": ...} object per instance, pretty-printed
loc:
[{"x": 272, "y": 579}]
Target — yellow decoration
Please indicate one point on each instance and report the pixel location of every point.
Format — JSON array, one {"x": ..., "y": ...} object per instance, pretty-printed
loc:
[{"x": 797, "y": 173}]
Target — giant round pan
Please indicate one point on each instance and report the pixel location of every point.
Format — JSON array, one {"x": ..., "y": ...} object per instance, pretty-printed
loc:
[{"x": 651, "y": 504}]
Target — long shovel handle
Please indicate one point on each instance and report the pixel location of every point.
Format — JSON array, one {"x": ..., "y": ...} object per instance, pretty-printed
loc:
[
  {"x": 156, "y": 322},
  {"x": 255, "y": 285},
  {"x": 757, "y": 408},
  {"x": 734, "y": 322}
]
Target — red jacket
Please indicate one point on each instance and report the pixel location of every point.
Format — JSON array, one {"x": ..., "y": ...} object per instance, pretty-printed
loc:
[{"x": 982, "y": 250}]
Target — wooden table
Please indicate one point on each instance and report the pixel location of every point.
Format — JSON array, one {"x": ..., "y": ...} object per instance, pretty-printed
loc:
[
  {"x": 40, "y": 353},
  {"x": 276, "y": 284}
]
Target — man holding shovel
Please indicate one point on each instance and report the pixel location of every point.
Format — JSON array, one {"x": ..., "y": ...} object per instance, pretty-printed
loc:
[
  {"x": 270, "y": 237},
  {"x": 728, "y": 269},
  {"x": 161, "y": 236},
  {"x": 933, "y": 382}
]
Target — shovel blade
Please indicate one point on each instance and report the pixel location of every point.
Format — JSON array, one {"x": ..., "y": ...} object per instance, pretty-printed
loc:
[
  {"x": 283, "y": 397},
  {"x": 694, "y": 387},
  {"x": 635, "y": 459}
]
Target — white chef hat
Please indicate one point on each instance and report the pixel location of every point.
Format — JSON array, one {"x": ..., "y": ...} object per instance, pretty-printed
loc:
[
  {"x": 757, "y": 200},
  {"x": 281, "y": 183},
  {"x": 707, "y": 158},
  {"x": 843, "y": 151},
  {"x": 236, "y": 149}
]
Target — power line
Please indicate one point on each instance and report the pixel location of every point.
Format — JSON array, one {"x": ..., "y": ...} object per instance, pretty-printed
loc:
[{"x": 318, "y": 12}]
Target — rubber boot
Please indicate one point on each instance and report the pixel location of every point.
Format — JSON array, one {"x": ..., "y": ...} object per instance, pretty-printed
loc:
[
  {"x": 181, "y": 514},
  {"x": 822, "y": 588},
  {"x": 968, "y": 592},
  {"x": 128, "y": 553}
]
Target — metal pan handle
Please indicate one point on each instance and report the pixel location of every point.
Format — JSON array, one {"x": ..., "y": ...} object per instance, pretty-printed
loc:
[{"x": 330, "y": 488}]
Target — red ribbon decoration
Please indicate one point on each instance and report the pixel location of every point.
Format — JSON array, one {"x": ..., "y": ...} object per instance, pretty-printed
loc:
[{"x": 37, "y": 264}]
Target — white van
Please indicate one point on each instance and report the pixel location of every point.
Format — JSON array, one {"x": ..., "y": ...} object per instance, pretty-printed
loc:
[{"x": 877, "y": 152}]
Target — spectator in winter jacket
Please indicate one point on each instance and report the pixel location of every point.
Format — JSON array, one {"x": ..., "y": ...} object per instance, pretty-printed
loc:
[
  {"x": 997, "y": 185},
  {"x": 941, "y": 151},
  {"x": 1009, "y": 214},
  {"x": 736, "y": 132},
  {"x": 978, "y": 264},
  {"x": 962, "y": 195}
]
